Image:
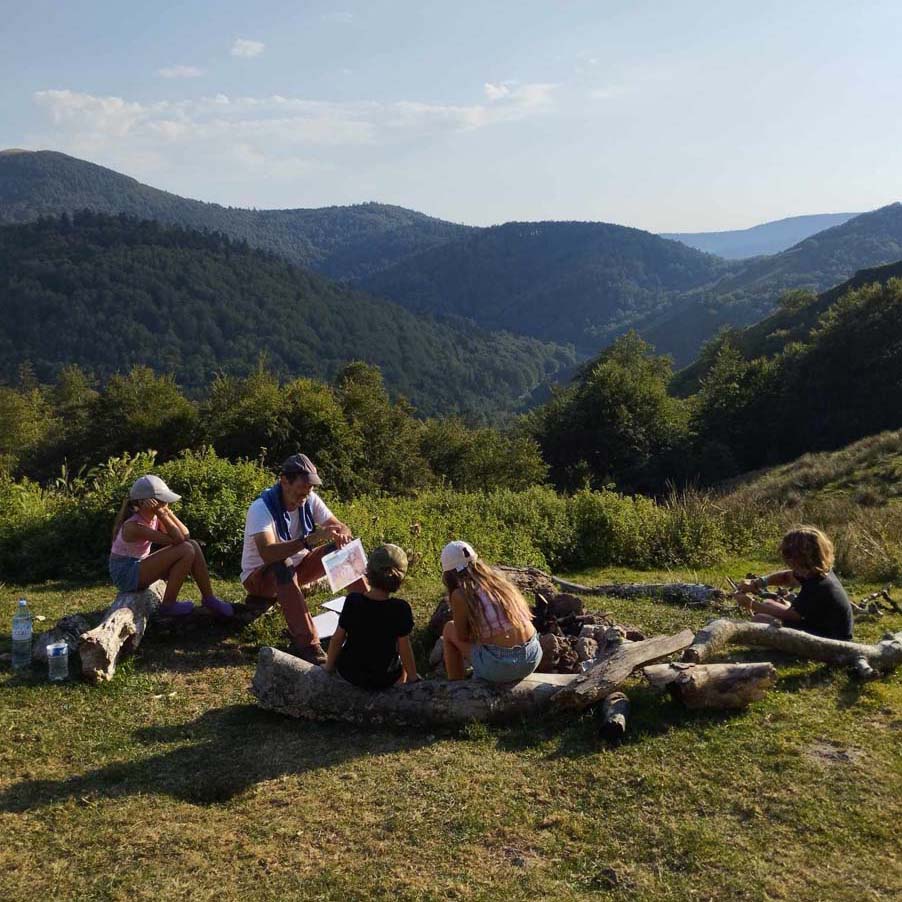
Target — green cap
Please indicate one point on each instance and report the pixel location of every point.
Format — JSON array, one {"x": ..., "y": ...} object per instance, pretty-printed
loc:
[{"x": 387, "y": 557}]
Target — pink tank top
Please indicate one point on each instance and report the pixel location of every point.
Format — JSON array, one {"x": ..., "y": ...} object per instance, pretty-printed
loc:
[
  {"x": 139, "y": 549},
  {"x": 495, "y": 619}
]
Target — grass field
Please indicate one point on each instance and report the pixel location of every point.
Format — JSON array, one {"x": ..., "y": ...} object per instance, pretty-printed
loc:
[{"x": 169, "y": 783}]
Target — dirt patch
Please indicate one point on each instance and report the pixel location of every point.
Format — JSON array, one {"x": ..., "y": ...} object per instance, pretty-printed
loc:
[{"x": 834, "y": 753}]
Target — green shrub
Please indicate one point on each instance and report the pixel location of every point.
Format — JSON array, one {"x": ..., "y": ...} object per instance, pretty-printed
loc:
[{"x": 64, "y": 530}]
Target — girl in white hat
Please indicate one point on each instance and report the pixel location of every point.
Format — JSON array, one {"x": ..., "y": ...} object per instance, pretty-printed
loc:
[
  {"x": 145, "y": 519},
  {"x": 491, "y": 625}
]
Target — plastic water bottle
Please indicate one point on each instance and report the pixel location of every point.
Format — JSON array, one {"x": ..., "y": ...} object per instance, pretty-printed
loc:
[
  {"x": 22, "y": 631},
  {"x": 58, "y": 661}
]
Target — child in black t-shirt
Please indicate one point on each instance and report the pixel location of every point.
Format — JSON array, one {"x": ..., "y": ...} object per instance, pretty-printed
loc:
[
  {"x": 371, "y": 647},
  {"x": 821, "y": 606}
]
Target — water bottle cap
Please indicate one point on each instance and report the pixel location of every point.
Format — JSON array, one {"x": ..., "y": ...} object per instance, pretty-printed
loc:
[{"x": 23, "y": 603}]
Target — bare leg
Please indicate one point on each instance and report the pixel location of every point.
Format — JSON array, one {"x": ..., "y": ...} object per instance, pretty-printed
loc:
[
  {"x": 173, "y": 564},
  {"x": 200, "y": 572},
  {"x": 454, "y": 651}
]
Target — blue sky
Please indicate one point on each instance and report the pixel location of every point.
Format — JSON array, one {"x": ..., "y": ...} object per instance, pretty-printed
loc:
[{"x": 677, "y": 116}]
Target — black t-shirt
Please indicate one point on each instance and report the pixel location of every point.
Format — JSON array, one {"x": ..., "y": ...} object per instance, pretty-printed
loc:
[
  {"x": 369, "y": 657},
  {"x": 824, "y": 608}
]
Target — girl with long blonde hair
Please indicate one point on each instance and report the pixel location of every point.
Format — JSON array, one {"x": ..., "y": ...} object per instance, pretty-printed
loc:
[{"x": 492, "y": 624}]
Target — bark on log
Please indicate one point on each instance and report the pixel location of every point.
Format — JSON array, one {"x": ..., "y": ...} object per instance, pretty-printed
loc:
[
  {"x": 119, "y": 633},
  {"x": 713, "y": 685},
  {"x": 677, "y": 593},
  {"x": 868, "y": 661},
  {"x": 604, "y": 677},
  {"x": 614, "y": 711},
  {"x": 291, "y": 686},
  {"x": 68, "y": 630}
]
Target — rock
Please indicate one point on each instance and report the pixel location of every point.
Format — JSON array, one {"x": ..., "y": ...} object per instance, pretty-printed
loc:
[
  {"x": 565, "y": 605},
  {"x": 588, "y": 632},
  {"x": 440, "y": 616},
  {"x": 437, "y": 655},
  {"x": 551, "y": 652},
  {"x": 586, "y": 648}
]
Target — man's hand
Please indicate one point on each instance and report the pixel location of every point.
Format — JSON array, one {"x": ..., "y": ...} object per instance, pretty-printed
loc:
[{"x": 747, "y": 585}]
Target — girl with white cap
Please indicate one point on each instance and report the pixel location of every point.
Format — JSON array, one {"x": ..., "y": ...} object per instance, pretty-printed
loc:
[
  {"x": 144, "y": 520},
  {"x": 492, "y": 624}
]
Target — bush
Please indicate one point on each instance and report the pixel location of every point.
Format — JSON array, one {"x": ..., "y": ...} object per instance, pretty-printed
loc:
[{"x": 65, "y": 530}]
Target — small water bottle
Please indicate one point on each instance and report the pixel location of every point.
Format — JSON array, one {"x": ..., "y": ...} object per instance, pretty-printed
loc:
[
  {"x": 58, "y": 661},
  {"x": 22, "y": 631}
]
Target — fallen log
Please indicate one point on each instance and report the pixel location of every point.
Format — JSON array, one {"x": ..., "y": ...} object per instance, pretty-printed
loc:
[
  {"x": 614, "y": 711},
  {"x": 713, "y": 685},
  {"x": 119, "y": 633},
  {"x": 68, "y": 629},
  {"x": 697, "y": 594},
  {"x": 679, "y": 593},
  {"x": 291, "y": 686},
  {"x": 867, "y": 661},
  {"x": 600, "y": 680}
]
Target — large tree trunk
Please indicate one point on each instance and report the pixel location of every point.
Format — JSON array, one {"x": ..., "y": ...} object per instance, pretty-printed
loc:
[
  {"x": 604, "y": 677},
  {"x": 713, "y": 685},
  {"x": 868, "y": 661},
  {"x": 119, "y": 633},
  {"x": 291, "y": 686}
]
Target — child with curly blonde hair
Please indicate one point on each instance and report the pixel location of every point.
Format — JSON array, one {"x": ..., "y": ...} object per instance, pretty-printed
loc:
[{"x": 821, "y": 606}]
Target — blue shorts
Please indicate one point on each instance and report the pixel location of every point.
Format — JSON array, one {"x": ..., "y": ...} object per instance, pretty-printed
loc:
[
  {"x": 124, "y": 572},
  {"x": 497, "y": 664}
]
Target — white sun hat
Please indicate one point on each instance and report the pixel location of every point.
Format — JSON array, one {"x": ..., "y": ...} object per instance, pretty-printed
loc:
[{"x": 458, "y": 556}]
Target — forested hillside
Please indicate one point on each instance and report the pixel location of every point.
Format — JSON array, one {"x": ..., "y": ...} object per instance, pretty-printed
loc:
[
  {"x": 766, "y": 238},
  {"x": 567, "y": 281},
  {"x": 340, "y": 242},
  {"x": 108, "y": 293},
  {"x": 797, "y": 316},
  {"x": 749, "y": 293}
]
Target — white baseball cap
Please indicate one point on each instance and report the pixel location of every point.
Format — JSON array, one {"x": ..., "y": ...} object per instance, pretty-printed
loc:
[
  {"x": 152, "y": 487},
  {"x": 458, "y": 556}
]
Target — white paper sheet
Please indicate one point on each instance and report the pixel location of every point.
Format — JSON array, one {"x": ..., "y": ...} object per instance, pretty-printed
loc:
[
  {"x": 346, "y": 565},
  {"x": 334, "y": 604},
  {"x": 326, "y": 624}
]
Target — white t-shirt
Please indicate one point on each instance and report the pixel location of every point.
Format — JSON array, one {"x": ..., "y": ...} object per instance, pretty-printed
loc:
[{"x": 259, "y": 520}]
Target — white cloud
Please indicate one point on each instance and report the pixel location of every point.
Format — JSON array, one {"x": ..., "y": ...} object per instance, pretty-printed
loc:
[
  {"x": 342, "y": 18},
  {"x": 273, "y": 138},
  {"x": 247, "y": 49},
  {"x": 180, "y": 72},
  {"x": 495, "y": 91}
]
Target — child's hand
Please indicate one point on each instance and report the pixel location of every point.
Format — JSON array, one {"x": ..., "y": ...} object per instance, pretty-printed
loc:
[
  {"x": 744, "y": 601},
  {"x": 149, "y": 504}
]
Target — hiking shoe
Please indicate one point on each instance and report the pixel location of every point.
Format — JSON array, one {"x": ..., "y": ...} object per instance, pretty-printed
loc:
[
  {"x": 176, "y": 609},
  {"x": 218, "y": 607},
  {"x": 312, "y": 654}
]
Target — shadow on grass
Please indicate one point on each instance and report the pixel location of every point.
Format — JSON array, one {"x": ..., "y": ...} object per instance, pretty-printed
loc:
[
  {"x": 577, "y": 735},
  {"x": 223, "y": 753}
]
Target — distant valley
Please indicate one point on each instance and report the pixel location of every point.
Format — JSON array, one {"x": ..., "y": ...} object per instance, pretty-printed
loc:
[{"x": 766, "y": 238}]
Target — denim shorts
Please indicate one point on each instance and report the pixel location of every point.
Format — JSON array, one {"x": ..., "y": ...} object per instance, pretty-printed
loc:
[
  {"x": 124, "y": 572},
  {"x": 497, "y": 664}
]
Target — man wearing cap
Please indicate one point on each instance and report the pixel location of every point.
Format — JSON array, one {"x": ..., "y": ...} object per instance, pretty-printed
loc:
[{"x": 283, "y": 524}]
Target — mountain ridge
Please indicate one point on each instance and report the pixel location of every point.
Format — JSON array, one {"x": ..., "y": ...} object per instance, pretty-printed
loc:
[
  {"x": 765, "y": 238},
  {"x": 338, "y": 241}
]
